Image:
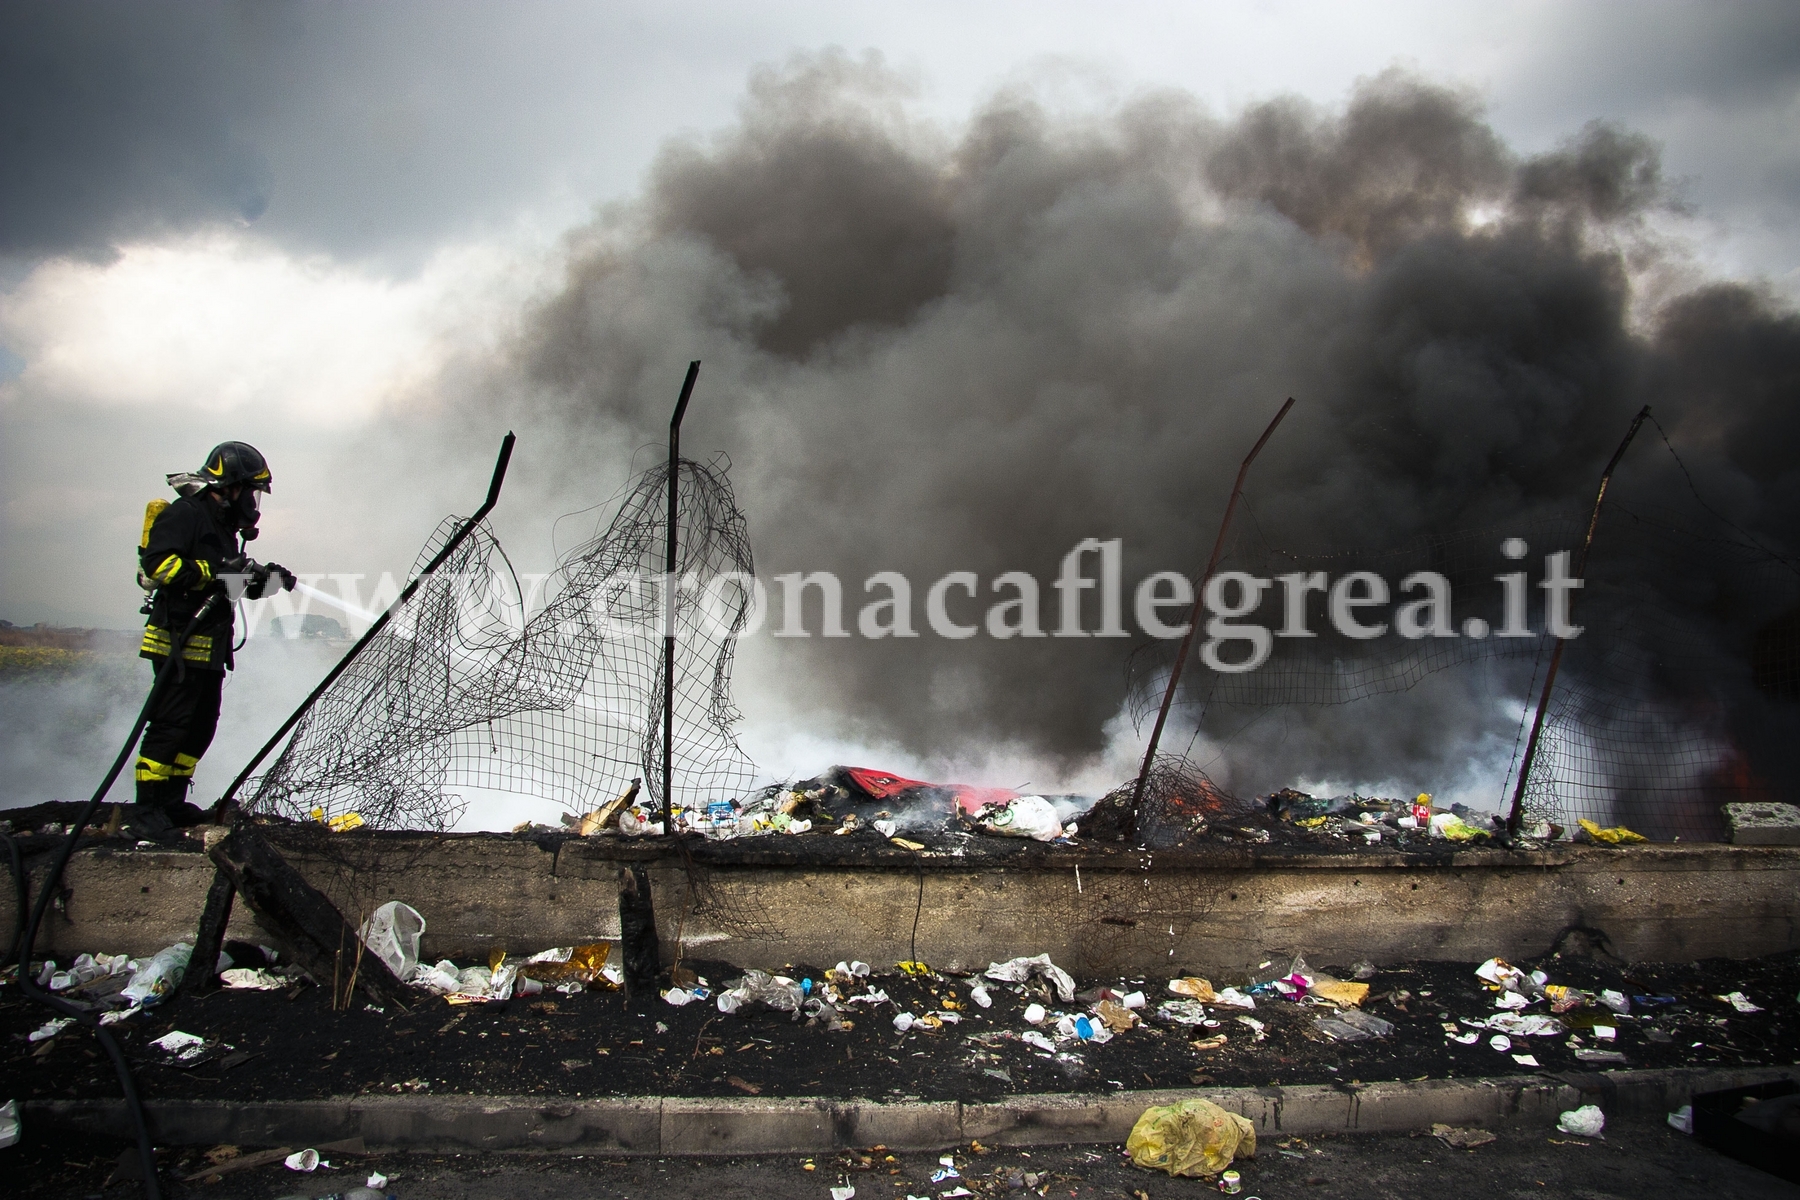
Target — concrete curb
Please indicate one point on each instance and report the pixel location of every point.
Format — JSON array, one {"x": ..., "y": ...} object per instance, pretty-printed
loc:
[{"x": 676, "y": 1126}]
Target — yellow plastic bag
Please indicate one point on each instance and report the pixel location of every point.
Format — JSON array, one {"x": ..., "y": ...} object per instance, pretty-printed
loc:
[
  {"x": 1194, "y": 1137},
  {"x": 1618, "y": 835},
  {"x": 1340, "y": 992},
  {"x": 1193, "y": 986}
]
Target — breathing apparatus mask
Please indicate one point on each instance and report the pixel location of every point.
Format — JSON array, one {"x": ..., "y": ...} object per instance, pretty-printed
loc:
[{"x": 245, "y": 511}]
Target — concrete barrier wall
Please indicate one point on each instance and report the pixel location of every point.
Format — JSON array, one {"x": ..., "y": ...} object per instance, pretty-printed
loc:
[{"x": 1098, "y": 913}]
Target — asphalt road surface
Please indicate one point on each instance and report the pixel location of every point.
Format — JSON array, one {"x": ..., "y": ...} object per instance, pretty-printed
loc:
[{"x": 1640, "y": 1157}]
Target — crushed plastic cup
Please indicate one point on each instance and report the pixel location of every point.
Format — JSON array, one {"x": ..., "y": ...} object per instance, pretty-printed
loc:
[
  {"x": 377, "y": 1180},
  {"x": 903, "y": 1021},
  {"x": 1084, "y": 1029},
  {"x": 1586, "y": 1121},
  {"x": 979, "y": 994},
  {"x": 1500, "y": 1042},
  {"x": 843, "y": 1193},
  {"x": 303, "y": 1160},
  {"x": 1132, "y": 1000},
  {"x": 679, "y": 996},
  {"x": 1035, "y": 1014}
]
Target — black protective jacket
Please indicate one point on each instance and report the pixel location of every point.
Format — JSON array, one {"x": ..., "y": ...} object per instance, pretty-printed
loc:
[{"x": 191, "y": 543}]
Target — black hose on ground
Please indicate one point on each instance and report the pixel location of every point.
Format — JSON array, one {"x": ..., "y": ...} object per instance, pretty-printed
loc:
[
  {"x": 21, "y": 902},
  {"x": 146, "y": 1153}
]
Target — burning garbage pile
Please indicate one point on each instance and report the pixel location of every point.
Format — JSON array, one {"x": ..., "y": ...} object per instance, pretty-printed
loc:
[
  {"x": 845, "y": 801},
  {"x": 1179, "y": 805}
]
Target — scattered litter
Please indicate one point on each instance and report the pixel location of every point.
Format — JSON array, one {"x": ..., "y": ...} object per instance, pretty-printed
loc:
[
  {"x": 1198, "y": 989},
  {"x": 49, "y": 1029},
  {"x": 979, "y": 994},
  {"x": 1500, "y": 1042},
  {"x": 1352, "y": 1025},
  {"x": 1618, "y": 835},
  {"x": 1032, "y": 1037},
  {"x": 1182, "y": 1012},
  {"x": 392, "y": 934},
  {"x": 1526, "y": 1060},
  {"x": 1740, "y": 1002},
  {"x": 1599, "y": 1056},
  {"x": 1683, "y": 1119},
  {"x": 1114, "y": 1016},
  {"x": 303, "y": 1160},
  {"x": 1615, "y": 1001},
  {"x": 1503, "y": 974},
  {"x": 1236, "y": 999},
  {"x": 86, "y": 968},
  {"x": 1211, "y": 1043},
  {"x": 1025, "y": 817},
  {"x": 776, "y": 991},
  {"x": 123, "y": 1014},
  {"x": 1256, "y": 1027},
  {"x": 1586, "y": 1121},
  {"x": 9, "y": 1124},
  {"x": 1019, "y": 970},
  {"x": 177, "y": 1042},
  {"x": 1035, "y": 1014},
  {"x": 1463, "y": 1139},
  {"x": 252, "y": 978},
  {"x": 1347, "y": 995},
  {"x": 1192, "y": 1137},
  {"x": 159, "y": 975},
  {"x": 843, "y": 1193}
]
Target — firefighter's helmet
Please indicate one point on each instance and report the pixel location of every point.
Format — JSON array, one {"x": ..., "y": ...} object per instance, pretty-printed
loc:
[{"x": 236, "y": 462}]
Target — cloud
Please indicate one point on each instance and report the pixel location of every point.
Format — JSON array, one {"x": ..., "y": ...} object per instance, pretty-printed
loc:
[{"x": 217, "y": 323}]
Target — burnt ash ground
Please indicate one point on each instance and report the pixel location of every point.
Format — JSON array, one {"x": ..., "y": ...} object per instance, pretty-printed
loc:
[{"x": 289, "y": 1045}]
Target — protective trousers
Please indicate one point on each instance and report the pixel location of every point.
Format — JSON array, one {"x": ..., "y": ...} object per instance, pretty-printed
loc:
[{"x": 182, "y": 721}]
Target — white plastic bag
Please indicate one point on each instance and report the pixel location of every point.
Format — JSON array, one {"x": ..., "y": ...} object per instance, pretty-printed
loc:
[
  {"x": 1026, "y": 817},
  {"x": 159, "y": 975},
  {"x": 1018, "y": 970},
  {"x": 1586, "y": 1121},
  {"x": 392, "y": 934}
]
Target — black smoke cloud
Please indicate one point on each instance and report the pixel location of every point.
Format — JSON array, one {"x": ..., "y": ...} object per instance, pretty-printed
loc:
[{"x": 928, "y": 353}]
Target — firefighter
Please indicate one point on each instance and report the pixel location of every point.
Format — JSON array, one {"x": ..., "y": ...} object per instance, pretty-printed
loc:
[{"x": 192, "y": 552}]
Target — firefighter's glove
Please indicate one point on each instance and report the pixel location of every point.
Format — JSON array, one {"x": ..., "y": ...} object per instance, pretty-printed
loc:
[{"x": 256, "y": 580}]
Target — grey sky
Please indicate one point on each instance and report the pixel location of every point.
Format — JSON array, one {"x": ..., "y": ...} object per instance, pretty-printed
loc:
[{"x": 380, "y": 129}]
